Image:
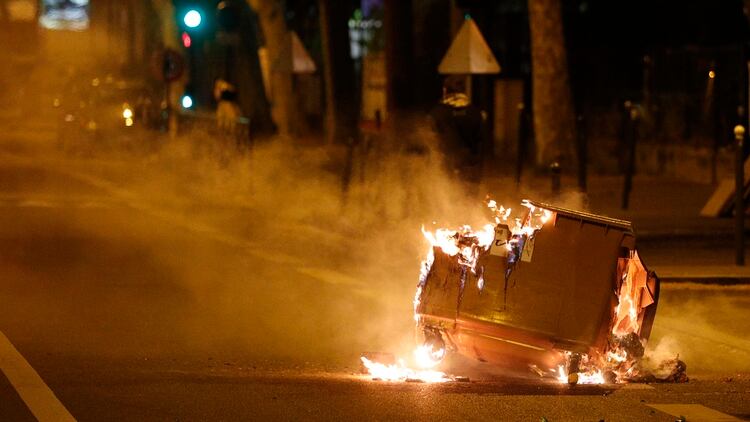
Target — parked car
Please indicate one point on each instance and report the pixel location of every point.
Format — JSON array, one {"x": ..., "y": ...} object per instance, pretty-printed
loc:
[{"x": 105, "y": 110}]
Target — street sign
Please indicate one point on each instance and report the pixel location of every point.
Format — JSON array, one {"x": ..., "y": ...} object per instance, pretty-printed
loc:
[
  {"x": 469, "y": 53},
  {"x": 301, "y": 60},
  {"x": 168, "y": 65},
  {"x": 293, "y": 57}
]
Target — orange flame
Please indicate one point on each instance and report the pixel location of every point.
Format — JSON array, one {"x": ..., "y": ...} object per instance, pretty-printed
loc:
[
  {"x": 627, "y": 321},
  {"x": 400, "y": 372}
]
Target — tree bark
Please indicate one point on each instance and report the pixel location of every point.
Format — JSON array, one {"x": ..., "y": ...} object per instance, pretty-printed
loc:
[
  {"x": 342, "y": 109},
  {"x": 279, "y": 46},
  {"x": 248, "y": 75},
  {"x": 554, "y": 118},
  {"x": 399, "y": 55}
]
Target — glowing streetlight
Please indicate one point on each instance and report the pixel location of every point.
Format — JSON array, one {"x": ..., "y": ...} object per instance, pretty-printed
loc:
[{"x": 127, "y": 113}]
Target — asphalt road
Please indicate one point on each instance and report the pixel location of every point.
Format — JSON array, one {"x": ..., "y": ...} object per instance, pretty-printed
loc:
[
  {"x": 130, "y": 306},
  {"x": 158, "y": 281}
]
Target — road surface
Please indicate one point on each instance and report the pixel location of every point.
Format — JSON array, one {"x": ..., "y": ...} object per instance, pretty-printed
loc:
[
  {"x": 132, "y": 302},
  {"x": 148, "y": 279}
]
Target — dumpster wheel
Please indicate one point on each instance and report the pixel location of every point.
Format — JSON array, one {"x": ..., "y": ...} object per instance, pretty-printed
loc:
[{"x": 432, "y": 342}]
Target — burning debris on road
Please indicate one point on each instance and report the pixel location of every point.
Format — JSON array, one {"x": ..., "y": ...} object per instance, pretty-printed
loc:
[{"x": 547, "y": 288}]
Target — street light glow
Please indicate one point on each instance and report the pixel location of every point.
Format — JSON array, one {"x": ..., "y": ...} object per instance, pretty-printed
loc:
[{"x": 192, "y": 18}]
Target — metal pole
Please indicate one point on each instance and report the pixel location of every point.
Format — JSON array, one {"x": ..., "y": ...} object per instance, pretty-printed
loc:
[
  {"x": 165, "y": 68},
  {"x": 630, "y": 163},
  {"x": 710, "y": 111},
  {"x": 520, "y": 148},
  {"x": 739, "y": 195},
  {"x": 582, "y": 154},
  {"x": 131, "y": 29},
  {"x": 554, "y": 169},
  {"x": 171, "y": 122}
]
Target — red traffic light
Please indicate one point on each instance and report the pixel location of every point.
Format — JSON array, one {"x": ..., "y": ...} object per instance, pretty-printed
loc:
[{"x": 186, "y": 40}]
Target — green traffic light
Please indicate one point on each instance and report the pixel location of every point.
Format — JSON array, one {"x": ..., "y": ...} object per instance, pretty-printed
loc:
[{"x": 192, "y": 18}]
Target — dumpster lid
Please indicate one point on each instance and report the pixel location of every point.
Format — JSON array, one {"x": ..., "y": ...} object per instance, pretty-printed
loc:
[{"x": 593, "y": 218}]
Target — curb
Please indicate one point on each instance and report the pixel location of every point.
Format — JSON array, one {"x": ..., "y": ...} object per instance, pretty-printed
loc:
[
  {"x": 716, "y": 274},
  {"x": 718, "y": 281}
]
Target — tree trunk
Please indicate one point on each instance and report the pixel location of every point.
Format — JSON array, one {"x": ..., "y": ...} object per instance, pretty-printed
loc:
[
  {"x": 248, "y": 75},
  {"x": 342, "y": 110},
  {"x": 554, "y": 120},
  {"x": 279, "y": 46},
  {"x": 399, "y": 55}
]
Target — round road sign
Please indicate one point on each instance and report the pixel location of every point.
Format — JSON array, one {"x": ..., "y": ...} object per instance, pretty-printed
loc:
[{"x": 168, "y": 65}]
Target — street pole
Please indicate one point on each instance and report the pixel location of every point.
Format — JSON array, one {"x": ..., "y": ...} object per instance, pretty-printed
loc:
[
  {"x": 171, "y": 68},
  {"x": 582, "y": 154},
  {"x": 631, "y": 136},
  {"x": 520, "y": 148},
  {"x": 555, "y": 176},
  {"x": 110, "y": 30},
  {"x": 130, "y": 8},
  {"x": 739, "y": 195}
]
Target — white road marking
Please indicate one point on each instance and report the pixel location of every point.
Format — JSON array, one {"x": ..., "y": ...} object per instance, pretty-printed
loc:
[
  {"x": 40, "y": 400},
  {"x": 694, "y": 412},
  {"x": 666, "y": 285}
]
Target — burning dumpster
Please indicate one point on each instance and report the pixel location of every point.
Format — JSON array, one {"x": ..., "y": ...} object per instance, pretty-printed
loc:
[{"x": 553, "y": 287}]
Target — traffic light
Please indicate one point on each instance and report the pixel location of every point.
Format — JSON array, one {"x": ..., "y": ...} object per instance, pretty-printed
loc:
[
  {"x": 186, "y": 101},
  {"x": 196, "y": 30},
  {"x": 202, "y": 24},
  {"x": 192, "y": 18},
  {"x": 187, "y": 41}
]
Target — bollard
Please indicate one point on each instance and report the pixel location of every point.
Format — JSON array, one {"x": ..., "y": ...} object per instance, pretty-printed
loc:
[
  {"x": 378, "y": 120},
  {"x": 554, "y": 171},
  {"x": 739, "y": 195}
]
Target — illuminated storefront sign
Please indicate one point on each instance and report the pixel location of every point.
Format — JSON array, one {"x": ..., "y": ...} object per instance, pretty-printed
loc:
[{"x": 65, "y": 14}]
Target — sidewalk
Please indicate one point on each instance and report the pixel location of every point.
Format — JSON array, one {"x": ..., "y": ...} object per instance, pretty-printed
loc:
[
  {"x": 709, "y": 274},
  {"x": 658, "y": 207},
  {"x": 673, "y": 239}
]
